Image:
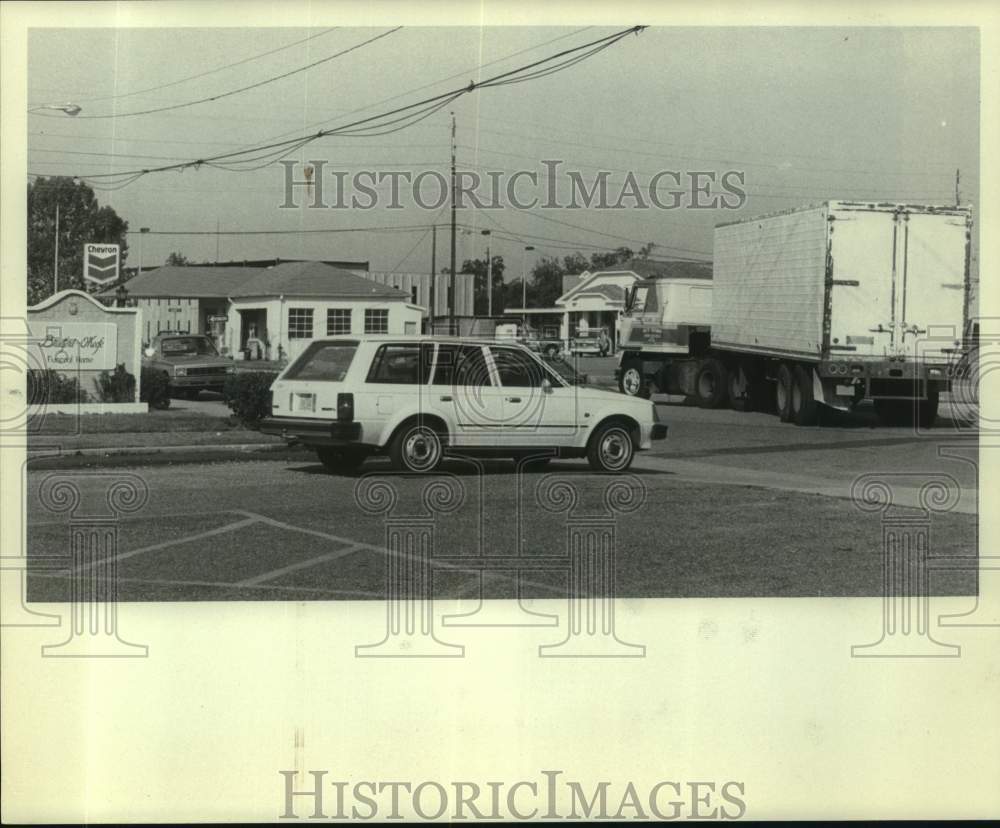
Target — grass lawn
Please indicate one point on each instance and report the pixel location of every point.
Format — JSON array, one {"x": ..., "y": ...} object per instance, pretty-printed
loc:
[
  {"x": 67, "y": 434},
  {"x": 152, "y": 421}
]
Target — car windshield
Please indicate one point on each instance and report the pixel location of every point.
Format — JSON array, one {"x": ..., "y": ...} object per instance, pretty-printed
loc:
[
  {"x": 188, "y": 346},
  {"x": 327, "y": 361}
]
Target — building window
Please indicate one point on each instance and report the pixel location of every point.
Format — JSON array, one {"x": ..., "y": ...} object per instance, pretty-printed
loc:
[
  {"x": 413, "y": 294},
  {"x": 338, "y": 321},
  {"x": 376, "y": 321},
  {"x": 300, "y": 323}
]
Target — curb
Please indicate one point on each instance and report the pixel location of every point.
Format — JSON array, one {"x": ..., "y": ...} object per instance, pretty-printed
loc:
[
  {"x": 159, "y": 455},
  {"x": 112, "y": 451}
]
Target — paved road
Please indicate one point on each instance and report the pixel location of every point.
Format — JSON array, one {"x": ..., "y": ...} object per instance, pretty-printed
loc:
[{"x": 734, "y": 505}]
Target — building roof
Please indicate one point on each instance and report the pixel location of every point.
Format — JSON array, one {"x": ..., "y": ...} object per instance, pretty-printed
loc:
[
  {"x": 287, "y": 279},
  {"x": 613, "y": 292},
  {"x": 171, "y": 282},
  {"x": 314, "y": 279},
  {"x": 342, "y": 263}
]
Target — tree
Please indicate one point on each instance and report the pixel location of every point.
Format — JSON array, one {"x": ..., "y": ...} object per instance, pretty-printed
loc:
[
  {"x": 546, "y": 282},
  {"x": 177, "y": 260},
  {"x": 81, "y": 221},
  {"x": 609, "y": 261},
  {"x": 477, "y": 267}
]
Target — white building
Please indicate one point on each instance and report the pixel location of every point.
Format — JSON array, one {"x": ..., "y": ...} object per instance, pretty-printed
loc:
[
  {"x": 596, "y": 300},
  {"x": 282, "y": 308}
]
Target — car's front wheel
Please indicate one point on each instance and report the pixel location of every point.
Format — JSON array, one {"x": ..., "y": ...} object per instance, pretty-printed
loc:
[
  {"x": 611, "y": 448},
  {"x": 416, "y": 448}
]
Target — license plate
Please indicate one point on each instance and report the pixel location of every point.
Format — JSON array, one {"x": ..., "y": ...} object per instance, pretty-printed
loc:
[{"x": 303, "y": 402}]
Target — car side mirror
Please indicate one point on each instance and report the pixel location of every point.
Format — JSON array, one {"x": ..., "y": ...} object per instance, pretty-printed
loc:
[
  {"x": 149, "y": 352},
  {"x": 546, "y": 385}
]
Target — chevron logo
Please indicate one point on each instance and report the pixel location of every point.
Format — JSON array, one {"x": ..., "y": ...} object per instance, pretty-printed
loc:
[{"x": 100, "y": 263}]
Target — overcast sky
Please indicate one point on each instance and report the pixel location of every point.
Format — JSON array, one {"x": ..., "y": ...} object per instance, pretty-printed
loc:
[{"x": 808, "y": 114}]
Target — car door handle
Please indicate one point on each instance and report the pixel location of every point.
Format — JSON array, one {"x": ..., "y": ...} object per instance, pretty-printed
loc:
[
  {"x": 446, "y": 399},
  {"x": 513, "y": 399}
]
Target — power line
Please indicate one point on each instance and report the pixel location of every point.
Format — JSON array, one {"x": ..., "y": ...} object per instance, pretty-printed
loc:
[
  {"x": 232, "y": 92},
  {"x": 463, "y": 74},
  {"x": 207, "y": 72},
  {"x": 423, "y": 109},
  {"x": 374, "y": 229}
]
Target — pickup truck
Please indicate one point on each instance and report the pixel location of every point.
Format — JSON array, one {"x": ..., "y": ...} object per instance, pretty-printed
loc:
[{"x": 190, "y": 362}]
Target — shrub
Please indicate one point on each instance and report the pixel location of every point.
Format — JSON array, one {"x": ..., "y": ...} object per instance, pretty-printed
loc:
[
  {"x": 248, "y": 395},
  {"x": 154, "y": 387},
  {"x": 117, "y": 387},
  {"x": 46, "y": 386}
]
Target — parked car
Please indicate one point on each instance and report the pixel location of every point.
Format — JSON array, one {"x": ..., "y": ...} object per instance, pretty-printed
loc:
[
  {"x": 590, "y": 343},
  {"x": 414, "y": 398},
  {"x": 191, "y": 363},
  {"x": 545, "y": 342}
]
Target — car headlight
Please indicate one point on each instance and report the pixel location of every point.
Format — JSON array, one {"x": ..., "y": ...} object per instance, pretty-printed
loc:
[{"x": 180, "y": 372}]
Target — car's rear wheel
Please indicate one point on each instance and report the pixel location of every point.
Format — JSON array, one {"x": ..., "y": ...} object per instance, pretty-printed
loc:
[
  {"x": 611, "y": 448},
  {"x": 342, "y": 460},
  {"x": 416, "y": 448}
]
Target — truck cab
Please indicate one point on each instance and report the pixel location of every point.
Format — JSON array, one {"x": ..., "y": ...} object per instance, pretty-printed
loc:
[{"x": 663, "y": 314}]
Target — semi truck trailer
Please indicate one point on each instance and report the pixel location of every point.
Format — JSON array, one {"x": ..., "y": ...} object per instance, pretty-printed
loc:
[{"x": 827, "y": 305}]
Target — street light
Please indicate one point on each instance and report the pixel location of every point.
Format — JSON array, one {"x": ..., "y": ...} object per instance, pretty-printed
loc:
[
  {"x": 70, "y": 109},
  {"x": 489, "y": 275},
  {"x": 142, "y": 232},
  {"x": 524, "y": 284}
]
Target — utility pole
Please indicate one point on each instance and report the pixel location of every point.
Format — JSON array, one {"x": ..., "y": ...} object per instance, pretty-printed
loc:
[
  {"x": 958, "y": 178},
  {"x": 489, "y": 276},
  {"x": 55, "y": 261},
  {"x": 451, "y": 274},
  {"x": 216, "y": 240},
  {"x": 434, "y": 250},
  {"x": 524, "y": 284},
  {"x": 142, "y": 232}
]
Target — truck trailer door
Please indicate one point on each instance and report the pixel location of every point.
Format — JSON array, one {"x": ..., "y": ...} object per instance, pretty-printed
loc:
[
  {"x": 862, "y": 299},
  {"x": 933, "y": 283}
]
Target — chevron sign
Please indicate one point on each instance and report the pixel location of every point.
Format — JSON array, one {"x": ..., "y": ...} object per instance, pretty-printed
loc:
[{"x": 100, "y": 263}]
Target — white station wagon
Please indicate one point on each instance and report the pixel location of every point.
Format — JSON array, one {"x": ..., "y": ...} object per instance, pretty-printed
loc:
[{"x": 415, "y": 398}]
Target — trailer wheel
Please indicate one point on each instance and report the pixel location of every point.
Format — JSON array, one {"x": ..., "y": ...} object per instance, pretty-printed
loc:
[
  {"x": 711, "y": 384},
  {"x": 632, "y": 383},
  {"x": 805, "y": 409},
  {"x": 783, "y": 393},
  {"x": 739, "y": 389},
  {"x": 927, "y": 409}
]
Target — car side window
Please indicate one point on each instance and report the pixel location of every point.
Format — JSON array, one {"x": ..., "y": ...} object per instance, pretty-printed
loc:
[
  {"x": 461, "y": 365},
  {"x": 405, "y": 364},
  {"x": 517, "y": 369}
]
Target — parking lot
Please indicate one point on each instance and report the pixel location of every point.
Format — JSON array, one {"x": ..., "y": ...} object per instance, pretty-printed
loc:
[{"x": 731, "y": 504}]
